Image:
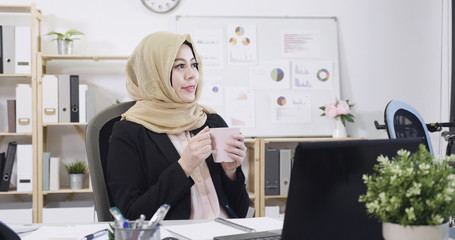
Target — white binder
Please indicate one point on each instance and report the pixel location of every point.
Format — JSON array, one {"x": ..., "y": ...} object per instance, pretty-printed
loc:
[
  {"x": 23, "y": 50},
  {"x": 64, "y": 108},
  {"x": 23, "y": 108},
  {"x": 8, "y": 42},
  {"x": 24, "y": 167},
  {"x": 285, "y": 171},
  {"x": 54, "y": 173},
  {"x": 83, "y": 103},
  {"x": 50, "y": 99}
]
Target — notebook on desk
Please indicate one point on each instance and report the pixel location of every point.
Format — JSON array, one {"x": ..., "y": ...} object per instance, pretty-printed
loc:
[{"x": 326, "y": 182}]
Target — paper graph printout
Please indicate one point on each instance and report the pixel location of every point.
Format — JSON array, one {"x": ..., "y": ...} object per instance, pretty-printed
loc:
[
  {"x": 312, "y": 75},
  {"x": 291, "y": 108},
  {"x": 270, "y": 75},
  {"x": 240, "y": 107},
  {"x": 300, "y": 43},
  {"x": 209, "y": 44},
  {"x": 242, "y": 44},
  {"x": 213, "y": 93}
]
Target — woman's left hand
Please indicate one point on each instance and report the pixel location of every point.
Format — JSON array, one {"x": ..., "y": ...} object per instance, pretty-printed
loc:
[{"x": 237, "y": 151}]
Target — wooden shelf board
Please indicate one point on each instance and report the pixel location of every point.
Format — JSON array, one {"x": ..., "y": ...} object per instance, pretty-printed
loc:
[
  {"x": 14, "y": 134},
  {"x": 76, "y": 57},
  {"x": 15, "y": 193},
  {"x": 67, "y": 190},
  {"x": 15, "y": 9},
  {"x": 64, "y": 124},
  {"x": 15, "y": 76},
  {"x": 275, "y": 197}
]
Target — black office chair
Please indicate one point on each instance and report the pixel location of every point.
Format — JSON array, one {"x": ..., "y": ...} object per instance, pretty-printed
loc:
[
  {"x": 404, "y": 121},
  {"x": 97, "y": 136}
]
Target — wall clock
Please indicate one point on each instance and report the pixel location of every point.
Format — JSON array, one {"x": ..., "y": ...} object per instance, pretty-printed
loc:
[{"x": 160, "y": 6}]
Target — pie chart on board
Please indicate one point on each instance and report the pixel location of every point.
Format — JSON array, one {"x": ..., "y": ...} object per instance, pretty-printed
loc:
[
  {"x": 281, "y": 101},
  {"x": 277, "y": 74}
]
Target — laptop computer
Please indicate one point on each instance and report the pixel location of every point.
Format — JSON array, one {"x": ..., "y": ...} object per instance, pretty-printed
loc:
[{"x": 326, "y": 182}]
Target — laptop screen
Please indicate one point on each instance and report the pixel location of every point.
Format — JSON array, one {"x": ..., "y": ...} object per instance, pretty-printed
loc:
[{"x": 326, "y": 182}]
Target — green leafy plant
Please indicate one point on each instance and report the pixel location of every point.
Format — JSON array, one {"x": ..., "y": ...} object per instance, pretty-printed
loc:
[
  {"x": 339, "y": 109},
  {"x": 67, "y": 36},
  {"x": 77, "y": 167},
  {"x": 411, "y": 189}
]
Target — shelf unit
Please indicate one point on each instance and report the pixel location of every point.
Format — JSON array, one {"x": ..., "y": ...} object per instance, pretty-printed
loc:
[
  {"x": 35, "y": 28},
  {"x": 42, "y": 128}
]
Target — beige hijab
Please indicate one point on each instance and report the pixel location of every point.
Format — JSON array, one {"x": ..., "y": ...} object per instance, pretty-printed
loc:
[{"x": 158, "y": 108}]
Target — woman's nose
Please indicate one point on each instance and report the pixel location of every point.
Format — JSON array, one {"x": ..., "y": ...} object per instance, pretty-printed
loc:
[{"x": 190, "y": 73}]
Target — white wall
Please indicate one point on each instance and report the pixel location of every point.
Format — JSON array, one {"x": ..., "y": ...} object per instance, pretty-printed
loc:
[{"x": 389, "y": 49}]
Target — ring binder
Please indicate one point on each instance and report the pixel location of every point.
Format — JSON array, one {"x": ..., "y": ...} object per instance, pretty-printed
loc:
[{"x": 234, "y": 225}]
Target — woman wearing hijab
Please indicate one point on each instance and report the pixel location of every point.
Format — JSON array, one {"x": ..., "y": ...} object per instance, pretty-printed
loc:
[{"x": 161, "y": 150}]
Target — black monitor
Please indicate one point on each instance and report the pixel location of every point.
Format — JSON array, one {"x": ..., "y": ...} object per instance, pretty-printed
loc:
[{"x": 326, "y": 182}]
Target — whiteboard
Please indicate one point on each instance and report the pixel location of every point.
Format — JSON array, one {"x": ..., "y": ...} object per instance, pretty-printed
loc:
[{"x": 268, "y": 75}]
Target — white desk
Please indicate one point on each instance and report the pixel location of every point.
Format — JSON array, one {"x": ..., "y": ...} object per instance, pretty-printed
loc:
[{"x": 77, "y": 231}]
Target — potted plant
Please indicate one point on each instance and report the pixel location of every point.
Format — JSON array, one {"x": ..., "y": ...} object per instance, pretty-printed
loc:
[
  {"x": 65, "y": 40},
  {"x": 76, "y": 171},
  {"x": 413, "y": 195}
]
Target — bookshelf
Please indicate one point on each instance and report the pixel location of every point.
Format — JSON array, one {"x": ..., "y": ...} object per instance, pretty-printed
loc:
[
  {"x": 43, "y": 129},
  {"x": 7, "y": 84}
]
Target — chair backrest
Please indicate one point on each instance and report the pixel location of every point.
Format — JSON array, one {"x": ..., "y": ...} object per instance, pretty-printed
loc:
[
  {"x": 97, "y": 137},
  {"x": 404, "y": 121}
]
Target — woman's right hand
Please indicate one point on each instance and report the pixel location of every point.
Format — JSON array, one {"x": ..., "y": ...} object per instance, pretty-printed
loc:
[{"x": 197, "y": 150}]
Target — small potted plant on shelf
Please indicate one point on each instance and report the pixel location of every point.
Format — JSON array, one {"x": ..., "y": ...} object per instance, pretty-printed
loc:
[
  {"x": 413, "y": 195},
  {"x": 76, "y": 171},
  {"x": 65, "y": 40}
]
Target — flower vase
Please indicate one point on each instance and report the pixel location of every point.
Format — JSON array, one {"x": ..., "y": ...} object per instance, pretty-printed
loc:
[
  {"x": 393, "y": 231},
  {"x": 339, "y": 130}
]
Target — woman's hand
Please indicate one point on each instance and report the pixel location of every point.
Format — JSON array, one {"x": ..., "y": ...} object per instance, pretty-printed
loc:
[
  {"x": 237, "y": 151},
  {"x": 197, "y": 150}
]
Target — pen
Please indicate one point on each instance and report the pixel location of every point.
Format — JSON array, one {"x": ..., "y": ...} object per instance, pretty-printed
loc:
[
  {"x": 119, "y": 217},
  {"x": 158, "y": 216},
  {"x": 95, "y": 235}
]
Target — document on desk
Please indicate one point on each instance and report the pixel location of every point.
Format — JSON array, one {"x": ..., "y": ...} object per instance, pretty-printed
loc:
[
  {"x": 73, "y": 232},
  {"x": 208, "y": 230}
]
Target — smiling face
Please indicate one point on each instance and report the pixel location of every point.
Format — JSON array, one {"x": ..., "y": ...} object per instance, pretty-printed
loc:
[{"x": 185, "y": 75}]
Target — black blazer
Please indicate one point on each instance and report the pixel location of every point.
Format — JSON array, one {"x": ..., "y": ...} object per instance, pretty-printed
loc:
[{"x": 143, "y": 173}]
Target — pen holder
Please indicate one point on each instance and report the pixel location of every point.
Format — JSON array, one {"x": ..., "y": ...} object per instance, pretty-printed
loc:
[{"x": 137, "y": 233}]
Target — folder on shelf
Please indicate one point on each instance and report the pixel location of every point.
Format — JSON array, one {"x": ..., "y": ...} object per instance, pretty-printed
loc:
[
  {"x": 1, "y": 46},
  {"x": 54, "y": 173},
  {"x": 2, "y": 162},
  {"x": 11, "y": 106},
  {"x": 46, "y": 163},
  {"x": 89, "y": 104},
  {"x": 23, "y": 50},
  {"x": 82, "y": 103},
  {"x": 23, "y": 108},
  {"x": 285, "y": 171},
  {"x": 24, "y": 168},
  {"x": 272, "y": 172},
  {"x": 64, "y": 98},
  {"x": 74, "y": 98},
  {"x": 7, "y": 170},
  {"x": 50, "y": 98},
  {"x": 8, "y": 50}
]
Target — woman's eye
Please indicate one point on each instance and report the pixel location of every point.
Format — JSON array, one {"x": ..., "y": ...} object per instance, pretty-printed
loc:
[
  {"x": 180, "y": 66},
  {"x": 195, "y": 65}
]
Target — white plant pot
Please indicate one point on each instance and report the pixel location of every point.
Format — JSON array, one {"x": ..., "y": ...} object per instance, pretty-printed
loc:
[
  {"x": 339, "y": 130},
  {"x": 393, "y": 231},
  {"x": 76, "y": 181}
]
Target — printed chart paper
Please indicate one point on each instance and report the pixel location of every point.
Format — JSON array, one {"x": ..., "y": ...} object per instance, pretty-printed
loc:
[
  {"x": 270, "y": 75},
  {"x": 300, "y": 43},
  {"x": 291, "y": 108},
  {"x": 242, "y": 44},
  {"x": 312, "y": 75}
]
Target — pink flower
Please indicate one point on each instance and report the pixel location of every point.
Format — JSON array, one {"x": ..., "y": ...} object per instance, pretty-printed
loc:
[
  {"x": 331, "y": 111},
  {"x": 343, "y": 108}
]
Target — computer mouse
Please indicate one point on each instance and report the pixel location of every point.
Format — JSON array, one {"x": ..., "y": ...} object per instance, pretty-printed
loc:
[{"x": 170, "y": 238}]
